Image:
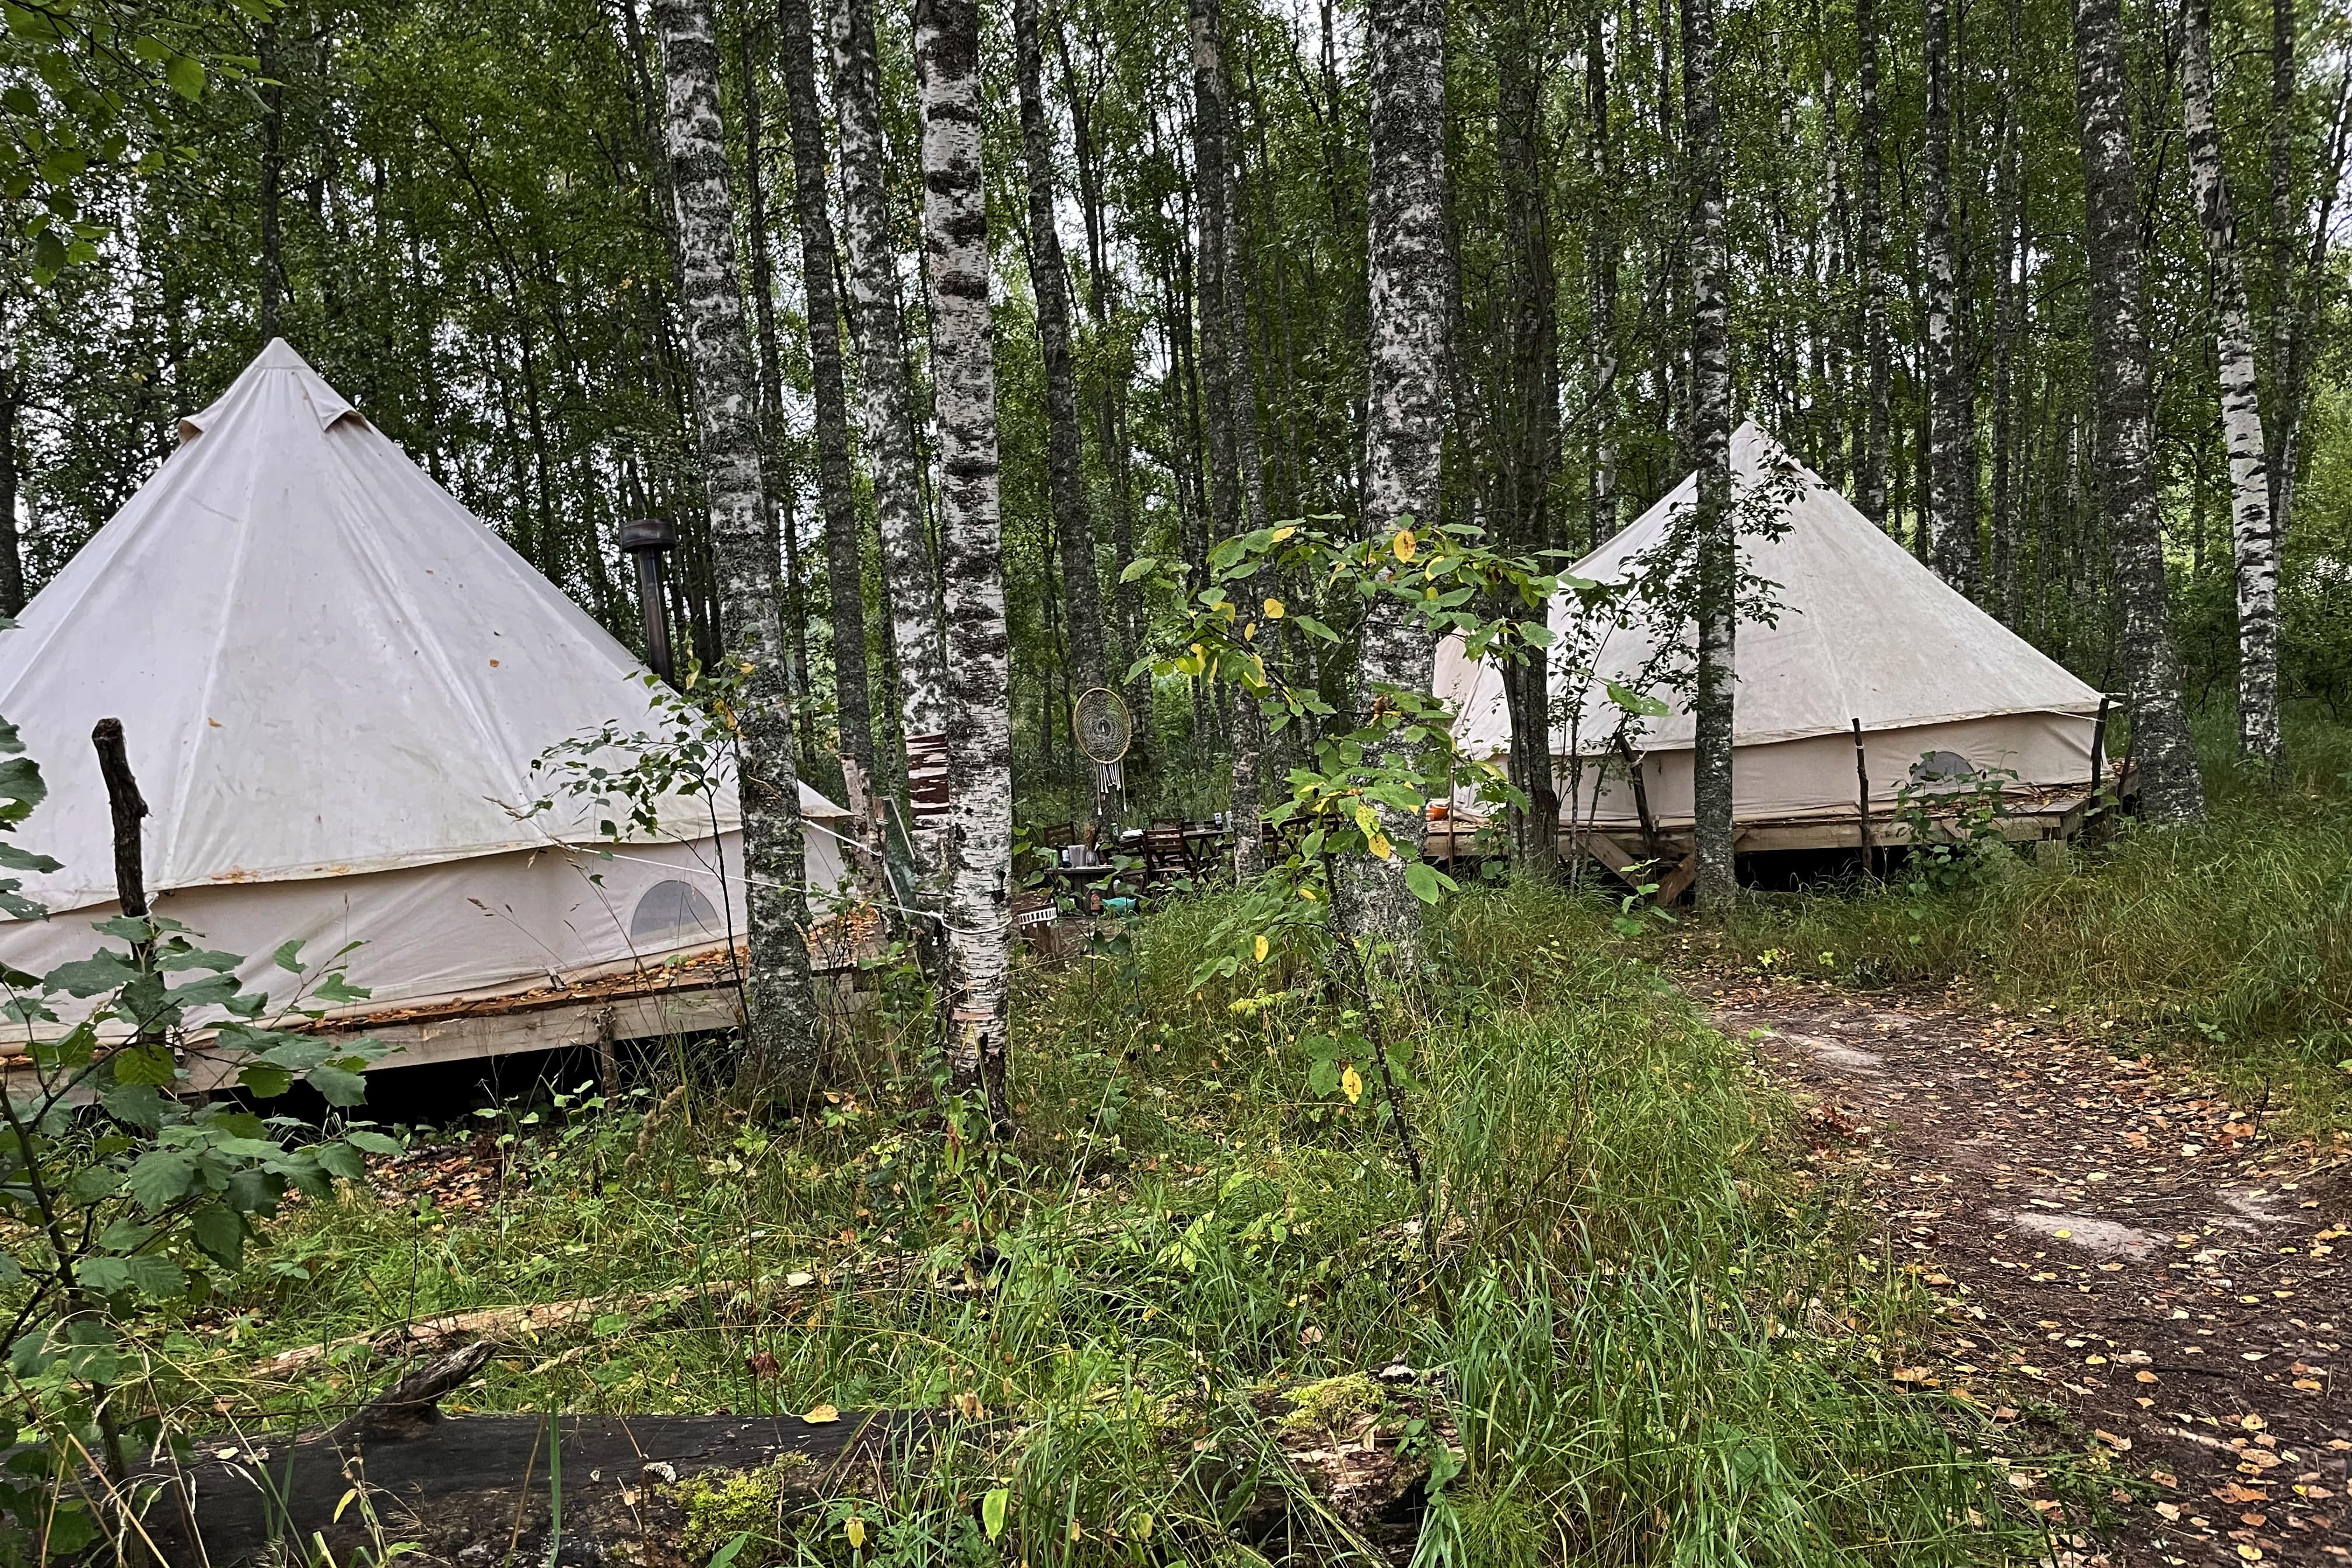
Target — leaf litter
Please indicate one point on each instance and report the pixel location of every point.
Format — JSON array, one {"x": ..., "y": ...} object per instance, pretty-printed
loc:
[{"x": 2118, "y": 1248}]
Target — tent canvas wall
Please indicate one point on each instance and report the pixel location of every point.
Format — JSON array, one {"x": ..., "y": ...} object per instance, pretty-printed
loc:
[
  {"x": 334, "y": 680},
  {"x": 1862, "y": 630}
]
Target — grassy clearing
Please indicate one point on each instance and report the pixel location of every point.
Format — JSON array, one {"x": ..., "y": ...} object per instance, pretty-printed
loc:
[
  {"x": 1656, "y": 1343},
  {"x": 2232, "y": 941}
]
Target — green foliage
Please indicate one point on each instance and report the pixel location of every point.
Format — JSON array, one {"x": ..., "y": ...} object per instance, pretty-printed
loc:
[
  {"x": 123, "y": 1201},
  {"x": 1954, "y": 823},
  {"x": 1627, "y": 1293}
]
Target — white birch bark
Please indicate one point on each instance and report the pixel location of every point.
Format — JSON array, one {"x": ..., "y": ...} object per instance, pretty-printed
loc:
[
  {"x": 2254, "y": 542},
  {"x": 2171, "y": 789},
  {"x": 963, "y": 365},
  {"x": 1404, "y": 412},
  {"x": 886, "y": 395},
  {"x": 778, "y": 998},
  {"x": 1712, "y": 706}
]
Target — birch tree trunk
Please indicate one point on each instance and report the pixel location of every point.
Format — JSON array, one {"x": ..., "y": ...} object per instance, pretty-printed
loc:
[
  {"x": 887, "y": 397},
  {"x": 1406, "y": 411},
  {"x": 2171, "y": 791},
  {"x": 778, "y": 1000},
  {"x": 2254, "y": 544},
  {"x": 836, "y": 498},
  {"x": 1718, "y": 562},
  {"x": 783, "y": 526},
  {"x": 980, "y": 737},
  {"x": 1871, "y": 260},
  {"x": 1951, "y": 515}
]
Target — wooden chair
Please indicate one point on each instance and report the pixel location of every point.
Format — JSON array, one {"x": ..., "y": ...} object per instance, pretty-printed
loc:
[
  {"x": 1166, "y": 851},
  {"x": 1060, "y": 836}
]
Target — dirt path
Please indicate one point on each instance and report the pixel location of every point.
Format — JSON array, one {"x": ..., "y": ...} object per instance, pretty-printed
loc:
[{"x": 2109, "y": 1239}]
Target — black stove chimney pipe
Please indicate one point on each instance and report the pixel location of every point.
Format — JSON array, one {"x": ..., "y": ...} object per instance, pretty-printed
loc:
[{"x": 646, "y": 538}]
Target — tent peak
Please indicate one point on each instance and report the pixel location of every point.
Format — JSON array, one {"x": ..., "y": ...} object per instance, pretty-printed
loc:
[{"x": 277, "y": 358}]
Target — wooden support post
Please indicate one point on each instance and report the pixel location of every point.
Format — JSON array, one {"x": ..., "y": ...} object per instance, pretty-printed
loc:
[
  {"x": 1640, "y": 796},
  {"x": 127, "y": 805},
  {"x": 2098, "y": 753},
  {"x": 608, "y": 1059},
  {"x": 1861, "y": 796}
]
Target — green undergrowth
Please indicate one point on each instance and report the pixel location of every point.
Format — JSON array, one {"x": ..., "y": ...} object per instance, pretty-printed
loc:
[
  {"x": 1640, "y": 1337},
  {"x": 2230, "y": 944}
]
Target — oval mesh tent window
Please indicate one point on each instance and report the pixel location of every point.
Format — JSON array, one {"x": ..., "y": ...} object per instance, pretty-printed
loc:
[
  {"x": 1942, "y": 768},
  {"x": 674, "y": 914}
]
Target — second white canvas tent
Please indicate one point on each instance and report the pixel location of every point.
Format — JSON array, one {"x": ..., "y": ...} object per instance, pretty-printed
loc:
[
  {"x": 334, "y": 680},
  {"x": 1862, "y": 631}
]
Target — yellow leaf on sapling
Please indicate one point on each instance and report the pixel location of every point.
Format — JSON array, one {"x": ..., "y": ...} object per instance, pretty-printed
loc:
[
  {"x": 1262, "y": 947},
  {"x": 1351, "y": 1083},
  {"x": 1403, "y": 544},
  {"x": 1274, "y": 609}
]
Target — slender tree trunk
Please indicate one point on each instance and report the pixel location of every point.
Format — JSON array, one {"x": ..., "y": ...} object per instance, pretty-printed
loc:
[
  {"x": 2279, "y": 134},
  {"x": 1250, "y": 729},
  {"x": 778, "y": 1000},
  {"x": 2171, "y": 791},
  {"x": 1718, "y": 562},
  {"x": 783, "y": 531},
  {"x": 2304, "y": 302},
  {"x": 1876, "y": 420},
  {"x": 2002, "y": 591},
  {"x": 887, "y": 395},
  {"x": 273, "y": 176},
  {"x": 1602, "y": 491},
  {"x": 1210, "y": 170},
  {"x": 12, "y": 543},
  {"x": 837, "y": 496},
  {"x": 1405, "y": 408},
  {"x": 979, "y": 738},
  {"x": 1951, "y": 520},
  {"x": 2254, "y": 546},
  {"x": 1049, "y": 281},
  {"x": 1529, "y": 451}
]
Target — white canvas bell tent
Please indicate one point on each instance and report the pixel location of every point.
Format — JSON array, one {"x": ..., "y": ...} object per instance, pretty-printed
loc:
[
  {"x": 334, "y": 680},
  {"x": 1861, "y": 630}
]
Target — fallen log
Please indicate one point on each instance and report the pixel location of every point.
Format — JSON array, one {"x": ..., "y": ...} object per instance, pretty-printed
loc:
[{"x": 492, "y": 1481}]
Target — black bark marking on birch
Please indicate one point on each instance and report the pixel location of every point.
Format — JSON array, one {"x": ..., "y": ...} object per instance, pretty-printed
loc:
[
  {"x": 778, "y": 1001},
  {"x": 2171, "y": 791}
]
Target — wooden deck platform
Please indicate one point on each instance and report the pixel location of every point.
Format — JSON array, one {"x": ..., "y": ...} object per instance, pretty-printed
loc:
[{"x": 2046, "y": 815}]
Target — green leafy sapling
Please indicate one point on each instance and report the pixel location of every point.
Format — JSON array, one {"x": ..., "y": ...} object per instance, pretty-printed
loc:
[{"x": 120, "y": 1196}]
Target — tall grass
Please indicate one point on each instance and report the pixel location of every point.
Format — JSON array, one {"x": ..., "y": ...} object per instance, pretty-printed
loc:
[
  {"x": 1639, "y": 1325},
  {"x": 2233, "y": 938}
]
